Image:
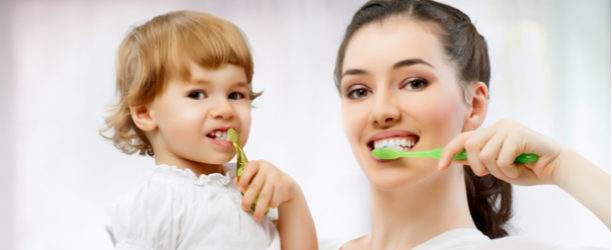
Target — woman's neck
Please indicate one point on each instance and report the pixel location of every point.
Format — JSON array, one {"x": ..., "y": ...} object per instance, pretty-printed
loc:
[{"x": 404, "y": 219}]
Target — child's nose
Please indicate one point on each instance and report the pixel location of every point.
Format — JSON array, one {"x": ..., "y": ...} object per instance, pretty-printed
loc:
[
  {"x": 385, "y": 112},
  {"x": 222, "y": 109}
]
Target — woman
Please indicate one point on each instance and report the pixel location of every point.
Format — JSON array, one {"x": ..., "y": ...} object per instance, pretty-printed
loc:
[{"x": 413, "y": 75}]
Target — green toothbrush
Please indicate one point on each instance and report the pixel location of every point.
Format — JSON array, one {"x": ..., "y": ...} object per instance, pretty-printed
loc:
[
  {"x": 241, "y": 161},
  {"x": 392, "y": 153}
]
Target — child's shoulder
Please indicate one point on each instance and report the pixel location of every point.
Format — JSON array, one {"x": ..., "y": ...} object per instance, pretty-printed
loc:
[{"x": 164, "y": 185}]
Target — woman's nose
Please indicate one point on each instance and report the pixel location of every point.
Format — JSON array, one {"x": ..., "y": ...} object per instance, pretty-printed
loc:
[
  {"x": 385, "y": 112},
  {"x": 222, "y": 109}
]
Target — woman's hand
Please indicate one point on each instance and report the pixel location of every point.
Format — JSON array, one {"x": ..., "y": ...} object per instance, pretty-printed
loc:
[
  {"x": 270, "y": 187},
  {"x": 492, "y": 150}
]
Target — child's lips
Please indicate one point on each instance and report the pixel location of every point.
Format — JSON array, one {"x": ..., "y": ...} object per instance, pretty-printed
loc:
[{"x": 220, "y": 142}]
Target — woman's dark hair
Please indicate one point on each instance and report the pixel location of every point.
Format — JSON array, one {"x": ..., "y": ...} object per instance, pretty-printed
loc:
[{"x": 489, "y": 199}]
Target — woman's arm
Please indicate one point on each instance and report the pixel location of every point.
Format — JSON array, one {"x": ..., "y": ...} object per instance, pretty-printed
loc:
[
  {"x": 585, "y": 182},
  {"x": 492, "y": 150}
]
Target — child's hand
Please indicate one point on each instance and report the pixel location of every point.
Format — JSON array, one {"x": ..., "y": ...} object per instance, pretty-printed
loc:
[
  {"x": 265, "y": 183},
  {"x": 492, "y": 150}
]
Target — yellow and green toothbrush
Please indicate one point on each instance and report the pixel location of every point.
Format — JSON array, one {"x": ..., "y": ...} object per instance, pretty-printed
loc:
[{"x": 241, "y": 161}]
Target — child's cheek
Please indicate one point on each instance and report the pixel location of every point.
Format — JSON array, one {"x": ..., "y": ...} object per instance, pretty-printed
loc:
[{"x": 243, "y": 113}]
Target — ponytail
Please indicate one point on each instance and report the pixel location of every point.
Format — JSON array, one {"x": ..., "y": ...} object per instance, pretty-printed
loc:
[{"x": 490, "y": 201}]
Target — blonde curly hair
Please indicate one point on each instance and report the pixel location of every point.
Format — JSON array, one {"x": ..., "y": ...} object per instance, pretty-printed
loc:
[{"x": 161, "y": 48}]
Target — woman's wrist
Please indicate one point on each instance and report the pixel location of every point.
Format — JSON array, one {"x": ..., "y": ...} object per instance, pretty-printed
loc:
[{"x": 563, "y": 165}]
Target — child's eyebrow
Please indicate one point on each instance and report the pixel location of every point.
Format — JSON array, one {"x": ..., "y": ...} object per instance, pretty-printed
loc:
[
  {"x": 239, "y": 84},
  {"x": 198, "y": 81}
]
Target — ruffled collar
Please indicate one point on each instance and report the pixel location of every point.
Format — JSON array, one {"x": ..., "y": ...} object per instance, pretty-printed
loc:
[{"x": 188, "y": 175}]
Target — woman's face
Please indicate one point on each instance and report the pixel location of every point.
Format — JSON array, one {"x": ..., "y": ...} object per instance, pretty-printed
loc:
[{"x": 399, "y": 90}]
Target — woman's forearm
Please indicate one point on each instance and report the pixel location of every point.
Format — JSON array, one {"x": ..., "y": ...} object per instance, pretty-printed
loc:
[{"x": 586, "y": 183}]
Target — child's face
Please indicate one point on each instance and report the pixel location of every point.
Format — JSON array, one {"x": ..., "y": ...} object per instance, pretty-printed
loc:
[
  {"x": 193, "y": 117},
  {"x": 399, "y": 90}
]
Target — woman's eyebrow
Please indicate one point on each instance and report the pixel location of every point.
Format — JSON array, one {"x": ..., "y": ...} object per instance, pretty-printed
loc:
[
  {"x": 354, "y": 72},
  {"x": 412, "y": 61},
  {"x": 402, "y": 63}
]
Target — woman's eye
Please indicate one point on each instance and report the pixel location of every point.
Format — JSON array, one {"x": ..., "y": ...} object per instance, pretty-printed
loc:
[
  {"x": 357, "y": 93},
  {"x": 415, "y": 84},
  {"x": 236, "y": 96},
  {"x": 197, "y": 95}
]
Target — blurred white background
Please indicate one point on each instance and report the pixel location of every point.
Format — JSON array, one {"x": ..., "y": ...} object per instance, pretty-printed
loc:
[{"x": 550, "y": 71}]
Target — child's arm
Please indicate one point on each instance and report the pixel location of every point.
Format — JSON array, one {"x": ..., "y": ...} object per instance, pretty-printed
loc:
[
  {"x": 276, "y": 189},
  {"x": 492, "y": 150}
]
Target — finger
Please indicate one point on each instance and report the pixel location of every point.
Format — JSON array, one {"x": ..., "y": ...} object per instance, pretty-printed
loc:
[
  {"x": 489, "y": 153},
  {"x": 473, "y": 147},
  {"x": 263, "y": 201},
  {"x": 477, "y": 167},
  {"x": 250, "y": 170},
  {"x": 250, "y": 195},
  {"x": 454, "y": 147},
  {"x": 491, "y": 149},
  {"x": 509, "y": 151}
]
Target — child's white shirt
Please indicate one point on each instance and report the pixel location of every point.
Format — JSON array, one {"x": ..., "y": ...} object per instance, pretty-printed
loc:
[{"x": 175, "y": 209}]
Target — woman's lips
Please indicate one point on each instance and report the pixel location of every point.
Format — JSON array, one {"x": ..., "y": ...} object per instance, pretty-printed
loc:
[{"x": 399, "y": 139}]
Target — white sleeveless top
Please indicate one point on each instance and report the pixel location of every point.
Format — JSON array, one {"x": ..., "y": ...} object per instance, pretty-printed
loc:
[
  {"x": 470, "y": 239},
  {"x": 174, "y": 209}
]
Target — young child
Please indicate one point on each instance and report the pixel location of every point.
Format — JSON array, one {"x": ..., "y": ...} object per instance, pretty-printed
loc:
[{"x": 184, "y": 79}]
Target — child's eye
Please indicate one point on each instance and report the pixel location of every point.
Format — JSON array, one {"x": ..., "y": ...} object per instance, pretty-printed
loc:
[
  {"x": 414, "y": 84},
  {"x": 236, "y": 96},
  {"x": 197, "y": 95},
  {"x": 357, "y": 92}
]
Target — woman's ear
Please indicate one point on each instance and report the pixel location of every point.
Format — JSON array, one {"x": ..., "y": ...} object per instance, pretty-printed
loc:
[
  {"x": 142, "y": 117},
  {"x": 477, "y": 106}
]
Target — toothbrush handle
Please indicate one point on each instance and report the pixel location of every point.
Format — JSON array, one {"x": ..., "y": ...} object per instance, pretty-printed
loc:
[
  {"x": 523, "y": 158},
  {"x": 526, "y": 158}
]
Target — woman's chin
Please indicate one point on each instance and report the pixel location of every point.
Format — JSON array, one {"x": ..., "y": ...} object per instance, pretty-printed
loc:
[{"x": 393, "y": 177}]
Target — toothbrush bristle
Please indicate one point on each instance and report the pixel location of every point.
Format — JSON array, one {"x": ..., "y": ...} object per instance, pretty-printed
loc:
[
  {"x": 233, "y": 135},
  {"x": 385, "y": 153}
]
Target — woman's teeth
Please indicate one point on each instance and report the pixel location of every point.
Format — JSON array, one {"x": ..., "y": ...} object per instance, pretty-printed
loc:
[
  {"x": 403, "y": 144},
  {"x": 219, "y": 135}
]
